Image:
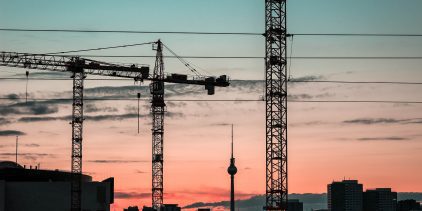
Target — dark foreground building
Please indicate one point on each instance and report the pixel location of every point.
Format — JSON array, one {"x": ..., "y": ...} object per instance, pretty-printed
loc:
[
  {"x": 135, "y": 208},
  {"x": 24, "y": 189},
  {"x": 294, "y": 205},
  {"x": 345, "y": 196},
  {"x": 165, "y": 207},
  {"x": 380, "y": 199},
  {"x": 408, "y": 205}
]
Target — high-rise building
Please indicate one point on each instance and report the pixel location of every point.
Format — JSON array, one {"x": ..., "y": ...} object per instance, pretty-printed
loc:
[
  {"x": 23, "y": 189},
  {"x": 380, "y": 199},
  {"x": 345, "y": 196},
  {"x": 408, "y": 205}
]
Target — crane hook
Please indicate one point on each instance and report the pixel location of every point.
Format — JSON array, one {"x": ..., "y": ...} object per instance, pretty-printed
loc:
[
  {"x": 26, "y": 86},
  {"x": 139, "y": 97}
]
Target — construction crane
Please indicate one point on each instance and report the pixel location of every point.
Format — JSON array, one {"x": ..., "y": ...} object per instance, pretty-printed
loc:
[
  {"x": 276, "y": 104},
  {"x": 158, "y": 109},
  {"x": 80, "y": 67}
]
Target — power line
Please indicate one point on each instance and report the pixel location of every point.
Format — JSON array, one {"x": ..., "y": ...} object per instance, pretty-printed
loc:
[
  {"x": 67, "y": 79},
  {"x": 358, "y": 82},
  {"x": 252, "y": 57},
  {"x": 291, "y": 81},
  {"x": 130, "y": 31},
  {"x": 219, "y": 100},
  {"x": 357, "y": 57},
  {"x": 358, "y": 34},
  {"x": 207, "y": 33}
]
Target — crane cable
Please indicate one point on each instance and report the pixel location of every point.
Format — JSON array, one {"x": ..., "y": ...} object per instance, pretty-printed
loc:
[
  {"x": 290, "y": 58},
  {"x": 139, "y": 99},
  {"x": 192, "y": 69},
  {"x": 138, "y": 95},
  {"x": 26, "y": 86},
  {"x": 102, "y": 48}
]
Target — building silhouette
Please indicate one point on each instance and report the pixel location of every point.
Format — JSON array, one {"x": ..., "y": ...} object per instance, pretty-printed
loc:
[
  {"x": 408, "y": 205},
  {"x": 165, "y": 207},
  {"x": 380, "y": 199},
  {"x": 134, "y": 208},
  {"x": 24, "y": 189},
  {"x": 294, "y": 205},
  {"x": 345, "y": 196}
]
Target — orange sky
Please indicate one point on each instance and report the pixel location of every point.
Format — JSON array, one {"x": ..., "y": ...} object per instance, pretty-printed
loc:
[
  {"x": 378, "y": 144},
  {"x": 326, "y": 142}
]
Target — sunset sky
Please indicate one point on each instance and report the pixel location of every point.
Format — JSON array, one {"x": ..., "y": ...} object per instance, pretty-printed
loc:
[{"x": 378, "y": 144}]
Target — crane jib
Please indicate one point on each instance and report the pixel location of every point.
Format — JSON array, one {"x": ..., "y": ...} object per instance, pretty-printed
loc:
[{"x": 91, "y": 67}]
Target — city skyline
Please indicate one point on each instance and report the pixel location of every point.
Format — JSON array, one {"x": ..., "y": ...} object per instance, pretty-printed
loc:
[{"x": 378, "y": 143}]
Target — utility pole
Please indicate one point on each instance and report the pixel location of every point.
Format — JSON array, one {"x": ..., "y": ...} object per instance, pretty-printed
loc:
[{"x": 276, "y": 104}]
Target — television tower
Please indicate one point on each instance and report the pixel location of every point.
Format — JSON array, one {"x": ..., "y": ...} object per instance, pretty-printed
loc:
[{"x": 232, "y": 170}]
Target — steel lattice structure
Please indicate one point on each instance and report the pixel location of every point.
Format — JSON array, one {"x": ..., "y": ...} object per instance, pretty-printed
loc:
[
  {"x": 276, "y": 104},
  {"x": 157, "y": 110},
  {"x": 79, "y": 68},
  {"x": 78, "y": 76}
]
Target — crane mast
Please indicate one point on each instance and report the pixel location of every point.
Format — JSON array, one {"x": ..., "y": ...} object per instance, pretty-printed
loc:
[
  {"x": 78, "y": 76},
  {"x": 158, "y": 107},
  {"x": 276, "y": 104}
]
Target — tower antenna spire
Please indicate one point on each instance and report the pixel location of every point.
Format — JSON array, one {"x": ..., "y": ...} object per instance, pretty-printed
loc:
[
  {"x": 232, "y": 170},
  {"x": 232, "y": 141}
]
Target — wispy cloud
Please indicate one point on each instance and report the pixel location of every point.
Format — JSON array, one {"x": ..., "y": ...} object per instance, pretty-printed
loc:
[
  {"x": 11, "y": 133},
  {"x": 391, "y": 138},
  {"x": 97, "y": 118},
  {"x": 94, "y": 118},
  {"x": 131, "y": 195},
  {"x": 308, "y": 78},
  {"x": 31, "y": 145},
  {"x": 311, "y": 123},
  {"x": 32, "y": 108},
  {"x": 116, "y": 161},
  {"x": 211, "y": 192},
  {"x": 12, "y": 96},
  {"x": 371, "y": 121},
  {"x": 41, "y": 119},
  {"x": 28, "y": 156},
  {"x": 140, "y": 172},
  {"x": 46, "y": 74},
  {"x": 92, "y": 108},
  {"x": 4, "y": 121}
]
